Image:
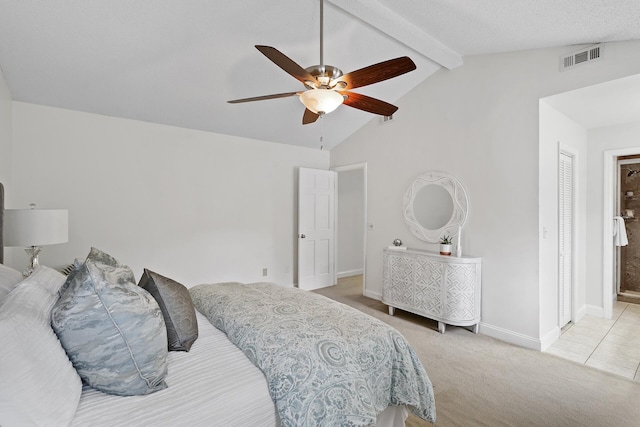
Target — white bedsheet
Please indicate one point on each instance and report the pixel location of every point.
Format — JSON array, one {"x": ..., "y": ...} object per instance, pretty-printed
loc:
[{"x": 212, "y": 385}]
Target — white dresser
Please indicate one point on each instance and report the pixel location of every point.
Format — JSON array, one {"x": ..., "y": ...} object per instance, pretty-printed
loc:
[{"x": 443, "y": 288}]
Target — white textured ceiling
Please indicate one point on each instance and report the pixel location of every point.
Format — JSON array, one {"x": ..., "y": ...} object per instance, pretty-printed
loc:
[
  {"x": 177, "y": 62},
  {"x": 615, "y": 102}
]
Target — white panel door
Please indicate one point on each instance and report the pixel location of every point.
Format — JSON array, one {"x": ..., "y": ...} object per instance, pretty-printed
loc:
[
  {"x": 316, "y": 228},
  {"x": 565, "y": 237}
]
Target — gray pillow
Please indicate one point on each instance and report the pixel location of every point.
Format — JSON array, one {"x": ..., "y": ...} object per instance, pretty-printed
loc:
[
  {"x": 112, "y": 330},
  {"x": 177, "y": 308}
]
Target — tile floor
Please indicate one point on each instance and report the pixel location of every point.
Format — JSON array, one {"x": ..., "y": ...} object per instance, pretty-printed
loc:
[{"x": 611, "y": 345}]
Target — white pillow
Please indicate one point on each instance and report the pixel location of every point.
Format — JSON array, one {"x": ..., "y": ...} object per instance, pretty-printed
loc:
[
  {"x": 38, "y": 385},
  {"x": 9, "y": 278}
]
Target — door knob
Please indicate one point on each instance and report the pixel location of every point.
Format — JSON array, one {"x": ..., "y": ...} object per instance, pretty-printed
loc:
[{"x": 302, "y": 236}]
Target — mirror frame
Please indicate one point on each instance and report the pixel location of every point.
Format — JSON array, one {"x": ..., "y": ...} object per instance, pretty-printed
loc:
[{"x": 458, "y": 196}]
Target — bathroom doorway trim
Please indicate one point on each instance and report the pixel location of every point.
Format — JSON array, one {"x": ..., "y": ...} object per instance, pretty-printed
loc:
[{"x": 609, "y": 206}]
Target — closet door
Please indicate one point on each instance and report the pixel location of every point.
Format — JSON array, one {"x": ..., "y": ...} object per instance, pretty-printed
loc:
[{"x": 565, "y": 237}]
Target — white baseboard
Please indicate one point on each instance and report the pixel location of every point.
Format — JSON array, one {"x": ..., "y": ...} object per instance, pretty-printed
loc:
[
  {"x": 549, "y": 338},
  {"x": 374, "y": 295},
  {"x": 593, "y": 310},
  {"x": 349, "y": 273},
  {"x": 580, "y": 313},
  {"x": 500, "y": 333},
  {"x": 510, "y": 336}
]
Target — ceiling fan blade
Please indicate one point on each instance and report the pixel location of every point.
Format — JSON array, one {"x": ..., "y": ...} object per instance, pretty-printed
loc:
[
  {"x": 286, "y": 63},
  {"x": 378, "y": 72},
  {"x": 369, "y": 104},
  {"x": 262, "y": 98},
  {"x": 309, "y": 117}
]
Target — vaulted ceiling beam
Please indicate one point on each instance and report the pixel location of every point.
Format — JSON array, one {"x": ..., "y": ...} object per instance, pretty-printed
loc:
[{"x": 396, "y": 26}]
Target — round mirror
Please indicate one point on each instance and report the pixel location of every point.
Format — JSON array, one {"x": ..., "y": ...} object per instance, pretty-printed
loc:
[
  {"x": 435, "y": 204},
  {"x": 432, "y": 207}
]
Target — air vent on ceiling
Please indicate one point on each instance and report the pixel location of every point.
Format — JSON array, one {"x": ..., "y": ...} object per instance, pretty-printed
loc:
[{"x": 581, "y": 56}]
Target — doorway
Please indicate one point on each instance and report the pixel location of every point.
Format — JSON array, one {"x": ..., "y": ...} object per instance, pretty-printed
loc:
[
  {"x": 628, "y": 256},
  {"x": 351, "y": 220},
  {"x": 611, "y": 209}
]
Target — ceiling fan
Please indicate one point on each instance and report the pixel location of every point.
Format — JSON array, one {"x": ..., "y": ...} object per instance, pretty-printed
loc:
[{"x": 327, "y": 87}]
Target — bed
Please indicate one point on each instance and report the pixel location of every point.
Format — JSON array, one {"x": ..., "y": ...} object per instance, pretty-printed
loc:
[{"x": 240, "y": 372}]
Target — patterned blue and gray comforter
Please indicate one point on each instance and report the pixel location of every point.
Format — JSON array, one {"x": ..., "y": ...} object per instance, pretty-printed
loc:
[{"x": 326, "y": 364}]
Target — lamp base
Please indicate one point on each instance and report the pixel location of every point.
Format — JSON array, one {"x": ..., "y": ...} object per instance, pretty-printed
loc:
[{"x": 33, "y": 252}]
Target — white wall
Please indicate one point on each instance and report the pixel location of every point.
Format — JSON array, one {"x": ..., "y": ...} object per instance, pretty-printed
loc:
[
  {"x": 350, "y": 242},
  {"x": 600, "y": 140},
  {"x": 195, "y": 206},
  {"x": 558, "y": 132},
  {"x": 5, "y": 132},
  {"x": 479, "y": 122}
]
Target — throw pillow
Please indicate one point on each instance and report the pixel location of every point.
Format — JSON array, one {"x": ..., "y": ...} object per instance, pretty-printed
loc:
[
  {"x": 95, "y": 255},
  {"x": 98, "y": 256},
  {"x": 72, "y": 270},
  {"x": 38, "y": 385},
  {"x": 177, "y": 309},
  {"x": 112, "y": 330}
]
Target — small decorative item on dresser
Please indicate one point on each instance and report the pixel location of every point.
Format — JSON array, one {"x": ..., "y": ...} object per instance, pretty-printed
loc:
[
  {"x": 397, "y": 245},
  {"x": 445, "y": 245}
]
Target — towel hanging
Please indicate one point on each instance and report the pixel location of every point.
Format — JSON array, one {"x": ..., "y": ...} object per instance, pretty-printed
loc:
[{"x": 619, "y": 232}]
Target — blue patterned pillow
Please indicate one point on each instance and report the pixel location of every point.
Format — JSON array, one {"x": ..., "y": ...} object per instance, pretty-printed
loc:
[
  {"x": 96, "y": 255},
  {"x": 177, "y": 308},
  {"x": 112, "y": 330}
]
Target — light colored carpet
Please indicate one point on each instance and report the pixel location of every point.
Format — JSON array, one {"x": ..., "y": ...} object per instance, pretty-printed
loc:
[{"x": 480, "y": 381}]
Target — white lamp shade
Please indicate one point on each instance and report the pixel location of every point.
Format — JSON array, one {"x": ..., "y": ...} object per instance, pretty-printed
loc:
[
  {"x": 35, "y": 227},
  {"x": 321, "y": 100}
]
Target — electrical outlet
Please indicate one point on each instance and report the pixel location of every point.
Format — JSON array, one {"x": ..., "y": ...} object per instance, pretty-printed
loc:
[{"x": 264, "y": 272}]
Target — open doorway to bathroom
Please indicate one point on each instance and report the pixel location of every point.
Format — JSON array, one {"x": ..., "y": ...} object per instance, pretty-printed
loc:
[
  {"x": 351, "y": 218},
  {"x": 628, "y": 257}
]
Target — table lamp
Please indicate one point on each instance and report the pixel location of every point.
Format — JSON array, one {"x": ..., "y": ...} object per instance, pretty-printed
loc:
[{"x": 33, "y": 228}]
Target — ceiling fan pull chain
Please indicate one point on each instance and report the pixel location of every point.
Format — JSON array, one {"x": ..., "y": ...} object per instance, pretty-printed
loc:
[{"x": 322, "y": 132}]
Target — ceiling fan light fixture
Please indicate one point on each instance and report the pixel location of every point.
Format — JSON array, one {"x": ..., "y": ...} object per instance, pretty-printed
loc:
[
  {"x": 321, "y": 101},
  {"x": 311, "y": 85},
  {"x": 338, "y": 85}
]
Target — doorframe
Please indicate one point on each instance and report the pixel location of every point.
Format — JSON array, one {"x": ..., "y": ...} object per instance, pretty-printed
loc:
[
  {"x": 618, "y": 207},
  {"x": 347, "y": 168},
  {"x": 609, "y": 206},
  {"x": 575, "y": 163}
]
